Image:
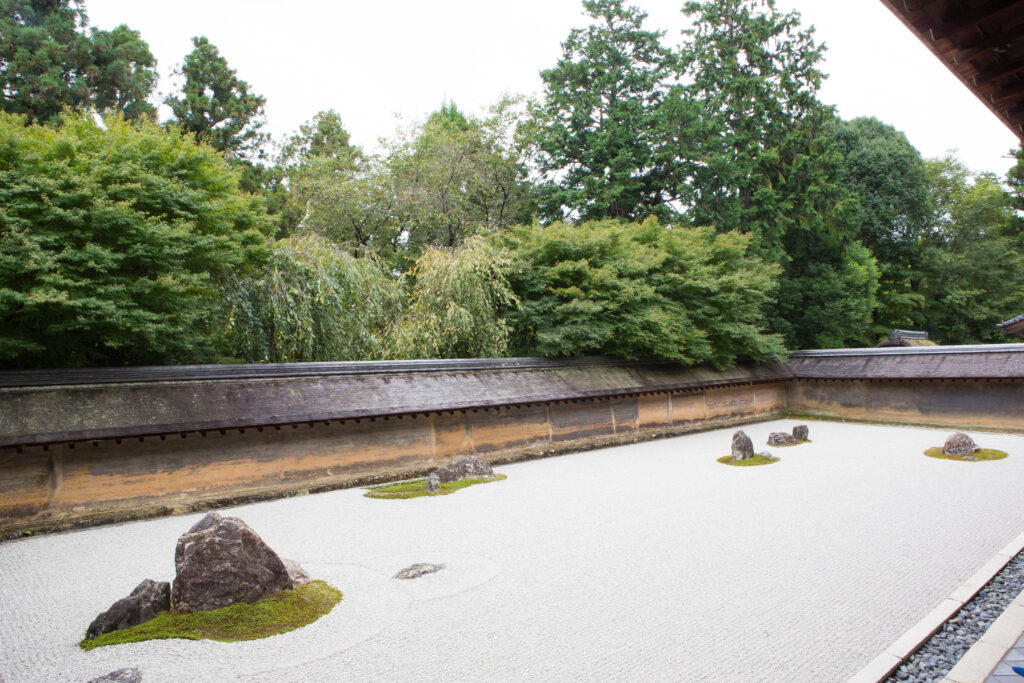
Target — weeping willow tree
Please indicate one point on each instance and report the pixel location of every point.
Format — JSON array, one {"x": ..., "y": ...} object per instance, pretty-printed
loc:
[
  {"x": 456, "y": 304},
  {"x": 314, "y": 301}
]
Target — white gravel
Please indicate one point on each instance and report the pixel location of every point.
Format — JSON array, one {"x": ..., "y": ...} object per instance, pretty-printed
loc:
[{"x": 649, "y": 561}]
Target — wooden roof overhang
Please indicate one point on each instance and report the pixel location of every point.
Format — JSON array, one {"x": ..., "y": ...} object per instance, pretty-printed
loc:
[
  {"x": 981, "y": 42},
  {"x": 1013, "y": 325}
]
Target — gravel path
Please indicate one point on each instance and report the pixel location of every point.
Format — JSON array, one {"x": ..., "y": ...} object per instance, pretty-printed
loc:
[{"x": 649, "y": 561}]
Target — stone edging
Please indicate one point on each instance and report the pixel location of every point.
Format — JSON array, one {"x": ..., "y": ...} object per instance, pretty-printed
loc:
[
  {"x": 984, "y": 656},
  {"x": 882, "y": 666}
]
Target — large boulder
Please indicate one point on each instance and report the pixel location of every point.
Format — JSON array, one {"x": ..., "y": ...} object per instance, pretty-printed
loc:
[
  {"x": 801, "y": 433},
  {"x": 221, "y": 561},
  {"x": 144, "y": 603},
  {"x": 463, "y": 468},
  {"x": 781, "y": 439},
  {"x": 742, "y": 446},
  {"x": 959, "y": 444}
]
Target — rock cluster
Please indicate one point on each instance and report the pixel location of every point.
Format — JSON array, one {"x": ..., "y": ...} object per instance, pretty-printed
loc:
[
  {"x": 742, "y": 446},
  {"x": 147, "y": 600},
  {"x": 800, "y": 433},
  {"x": 463, "y": 468},
  {"x": 959, "y": 443},
  {"x": 221, "y": 561}
]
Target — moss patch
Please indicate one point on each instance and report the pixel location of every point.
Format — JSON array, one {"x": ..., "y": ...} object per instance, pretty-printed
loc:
[
  {"x": 749, "y": 462},
  {"x": 983, "y": 455},
  {"x": 277, "y": 613},
  {"x": 415, "y": 488}
]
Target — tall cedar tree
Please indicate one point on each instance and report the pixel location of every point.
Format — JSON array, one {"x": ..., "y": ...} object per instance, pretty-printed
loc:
[
  {"x": 217, "y": 106},
  {"x": 123, "y": 73},
  {"x": 594, "y": 132},
  {"x": 45, "y": 59}
]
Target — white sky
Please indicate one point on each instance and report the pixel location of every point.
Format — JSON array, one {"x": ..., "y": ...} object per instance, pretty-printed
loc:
[{"x": 374, "y": 59}]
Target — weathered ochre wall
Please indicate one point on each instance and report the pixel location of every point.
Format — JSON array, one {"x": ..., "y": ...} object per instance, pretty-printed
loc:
[
  {"x": 988, "y": 403},
  {"x": 107, "y": 479}
]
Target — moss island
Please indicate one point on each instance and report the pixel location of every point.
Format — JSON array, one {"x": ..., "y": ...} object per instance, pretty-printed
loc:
[
  {"x": 277, "y": 613},
  {"x": 985, "y": 454},
  {"x": 415, "y": 488},
  {"x": 749, "y": 462}
]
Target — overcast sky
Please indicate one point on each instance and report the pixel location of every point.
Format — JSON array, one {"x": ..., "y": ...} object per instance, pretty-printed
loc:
[{"x": 372, "y": 60}]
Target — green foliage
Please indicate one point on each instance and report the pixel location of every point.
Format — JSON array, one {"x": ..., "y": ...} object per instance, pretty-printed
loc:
[
  {"x": 277, "y": 613},
  {"x": 216, "y": 105},
  {"x": 124, "y": 73},
  {"x": 457, "y": 301},
  {"x": 315, "y": 301},
  {"x": 640, "y": 290},
  {"x": 311, "y": 302},
  {"x": 972, "y": 272},
  {"x": 416, "y": 488},
  {"x": 112, "y": 243},
  {"x": 44, "y": 57},
  {"x": 594, "y": 132}
]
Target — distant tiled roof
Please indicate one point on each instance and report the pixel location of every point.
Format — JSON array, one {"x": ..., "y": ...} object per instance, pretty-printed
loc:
[{"x": 1011, "y": 321}]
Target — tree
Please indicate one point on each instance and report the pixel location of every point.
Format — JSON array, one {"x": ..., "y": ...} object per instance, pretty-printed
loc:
[
  {"x": 123, "y": 73},
  {"x": 594, "y": 132},
  {"x": 216, "y": 105},
  {"x": 312, "y": 301},
  {"x": 639, "y": 290},
  {"x": 973, "y": 263},
  {"x": 44, "y": 57},
  {"x": 113, "y": 243}
]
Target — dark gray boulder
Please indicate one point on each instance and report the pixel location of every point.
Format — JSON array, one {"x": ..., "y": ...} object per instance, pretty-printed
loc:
[
  {"x": 801, "y": 433},
  {"x": 415, "y": 571},
  {"x": 781, "y": 439},
  {"x": 432, "y": 482},
  {"x": 463, "y": 468},
  {"x": 742, "y": 446},
  {"x": 959, "y": 443},
  {"x": 119, "y": 676},
  {"x": 149, "y": 598},
  {"x": 221, "y": 561}
]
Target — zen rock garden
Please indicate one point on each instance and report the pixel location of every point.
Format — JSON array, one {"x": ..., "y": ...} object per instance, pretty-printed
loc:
[
  {"x": 960, "y": 446},
  {"x": 219, "y": 562}
]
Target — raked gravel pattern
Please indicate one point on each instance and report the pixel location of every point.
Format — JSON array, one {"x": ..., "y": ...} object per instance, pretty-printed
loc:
[
  {"x": 649, "y": 561},
  {"x": 941, "y": 652}
]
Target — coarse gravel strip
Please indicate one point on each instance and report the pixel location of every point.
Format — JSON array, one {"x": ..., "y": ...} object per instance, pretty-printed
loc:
[
  {"x": 940, "y": 653},
  {"x": 642, "y": 561}
]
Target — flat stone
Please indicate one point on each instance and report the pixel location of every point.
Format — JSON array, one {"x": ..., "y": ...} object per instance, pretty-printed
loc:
[
  {"x": 970, "y": 458},
  {"x": 432, "y": 482},
  {"x": 767, "y": 455},
  {"x": 781, "y": 439},
  {"x": 144, "y": 603},
  {"x": 801, "y": 433},
  {"x": 463, "y": 468},
  {"x": 959, "y": 443},
  {"x": 119, "y": 676},
  {"x": 298, "y": 575},
  {"x": 221, "y": 561},
  {"x": 415, "y": 571},
  {"x": 742, "y": 446}
]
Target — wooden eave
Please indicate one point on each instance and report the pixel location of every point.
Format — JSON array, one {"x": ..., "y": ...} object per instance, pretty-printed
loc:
[{"x": 981, "y": 42}]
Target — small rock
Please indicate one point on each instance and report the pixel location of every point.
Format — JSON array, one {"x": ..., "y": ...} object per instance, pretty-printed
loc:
[
  {"x": 120, "y": 676},
  {"x": 969, "y": 458},
  {"x": 959, "y": 444},
  {"x": 143, "y": 604},
  {"x": 781, "y": 439},
  {"x": 415, "y": 571},
  {"x": 767, "y": 455},
  {"x": 742, "y": 446},
  {"x": 298, "y": 575},
  {"x": 801, "y": 433},
  {"x": 464, "y": 468},
  {"x": 221, "y": 561},
  {"x": 432, "y": 482}
]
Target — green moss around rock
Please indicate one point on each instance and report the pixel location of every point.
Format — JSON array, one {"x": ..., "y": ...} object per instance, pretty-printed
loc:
[
  {"x": 984, "y": 455},
  {"x": 749, "y": 462},
  {"x": 277, "y": 613},
  {"x": 415, "y": 488}
]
